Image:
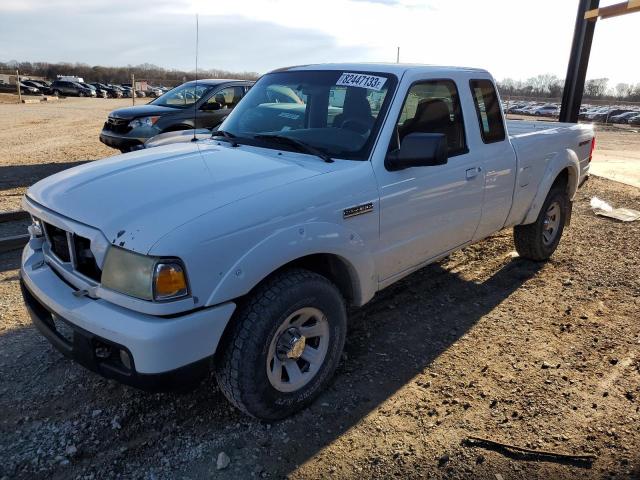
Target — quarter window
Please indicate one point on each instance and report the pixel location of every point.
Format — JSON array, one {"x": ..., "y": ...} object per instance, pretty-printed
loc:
[
  {"x": 434, "y": 107},
  {"x": 488, "y": 111}
]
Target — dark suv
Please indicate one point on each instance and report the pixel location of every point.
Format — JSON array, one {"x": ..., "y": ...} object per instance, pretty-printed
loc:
[
  {"x": 209, "y": 101},
  {"x": 64, "y": 87}
]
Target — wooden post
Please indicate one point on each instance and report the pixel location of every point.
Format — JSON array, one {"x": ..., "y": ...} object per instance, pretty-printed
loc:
[
  {"x": 18, "y": 86},
  {"x": 133, "y": 88}
]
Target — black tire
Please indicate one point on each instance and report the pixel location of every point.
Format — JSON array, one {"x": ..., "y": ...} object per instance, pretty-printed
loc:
[
  {"x": 56, "y": 93},
  {"x": 530, "y": 239},
  {"x": 241, "y": 363}
]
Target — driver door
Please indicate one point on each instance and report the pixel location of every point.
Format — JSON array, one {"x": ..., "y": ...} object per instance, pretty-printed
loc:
[{"x": 428, "y": 210}]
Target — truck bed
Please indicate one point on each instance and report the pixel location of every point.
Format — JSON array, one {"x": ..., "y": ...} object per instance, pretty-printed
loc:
[
  {"x": 537, "y": 144},
  {"x": 518, "y": 128}
]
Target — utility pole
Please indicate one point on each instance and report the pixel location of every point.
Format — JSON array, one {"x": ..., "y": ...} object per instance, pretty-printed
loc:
[
  {"x": 398, "y": 56},
  {"x": 18, "y": 86},
  {"x": 133, "y": 88}
]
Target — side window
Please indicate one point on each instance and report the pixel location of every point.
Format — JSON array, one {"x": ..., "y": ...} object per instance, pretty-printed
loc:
[
  {"x": 434, "y": 107},
  {"x": 228, "y": 97},
  {"x": 488, "y": 111}
]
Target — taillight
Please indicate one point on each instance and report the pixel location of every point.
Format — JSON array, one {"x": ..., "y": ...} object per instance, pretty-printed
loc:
[{"x": 593, "y": 147}]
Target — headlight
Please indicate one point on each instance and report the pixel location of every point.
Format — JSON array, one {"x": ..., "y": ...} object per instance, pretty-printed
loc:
[
  {"x": 143, "y": 122},
  {"x": 144, "y": 277}
]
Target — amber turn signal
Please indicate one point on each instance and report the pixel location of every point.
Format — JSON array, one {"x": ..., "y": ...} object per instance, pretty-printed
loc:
[{"x": 169, "y": 281}]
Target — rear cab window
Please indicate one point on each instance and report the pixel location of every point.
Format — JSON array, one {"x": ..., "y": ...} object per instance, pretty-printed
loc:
[{"x": 488, "y": 111}]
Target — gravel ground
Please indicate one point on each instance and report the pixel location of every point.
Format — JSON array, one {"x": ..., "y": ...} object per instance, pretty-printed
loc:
[
  {"x": 545, "y": 356},
  {"x": 43, "y": 138}
]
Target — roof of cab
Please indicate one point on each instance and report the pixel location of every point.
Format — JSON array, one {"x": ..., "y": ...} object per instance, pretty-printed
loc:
[{"x": 395, "y": 68}]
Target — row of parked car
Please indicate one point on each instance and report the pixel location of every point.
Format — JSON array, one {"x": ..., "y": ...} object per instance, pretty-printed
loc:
[
  {"x": 83, "y": 89},
  {"x": 593, "y": 113}
]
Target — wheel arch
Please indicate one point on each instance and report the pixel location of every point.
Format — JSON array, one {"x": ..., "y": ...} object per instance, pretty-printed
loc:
[
  {"x": 326, "y": 249},
  {"x": 561, "y": 169}
]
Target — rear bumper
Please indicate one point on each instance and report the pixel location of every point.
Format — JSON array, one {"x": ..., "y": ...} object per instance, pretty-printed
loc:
[{"x": 159, "y": 353}]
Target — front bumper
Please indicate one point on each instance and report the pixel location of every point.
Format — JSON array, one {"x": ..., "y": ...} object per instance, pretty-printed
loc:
[
  {"x": 162, "y": 352},
  {"x": 121, "y": 141}
]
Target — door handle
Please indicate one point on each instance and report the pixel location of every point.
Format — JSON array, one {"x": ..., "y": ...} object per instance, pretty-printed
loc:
[{"x": 473, "y": 172}]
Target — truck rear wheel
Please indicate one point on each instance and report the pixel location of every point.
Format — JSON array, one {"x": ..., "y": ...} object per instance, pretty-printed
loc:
[
  {"x": 538, "y": 240},
  {"x": 284, "y": 346}
]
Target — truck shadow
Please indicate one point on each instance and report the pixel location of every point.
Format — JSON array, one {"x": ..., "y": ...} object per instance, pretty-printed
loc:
[
  {"x": 395, "y": 337},
  {"x": 18, "y": 176}
]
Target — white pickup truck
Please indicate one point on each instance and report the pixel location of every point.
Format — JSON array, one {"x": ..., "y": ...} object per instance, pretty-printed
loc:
[{"x": 241, "y": 253}]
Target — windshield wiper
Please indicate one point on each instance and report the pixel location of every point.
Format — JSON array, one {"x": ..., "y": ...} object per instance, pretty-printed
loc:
[
  {"x": 228, "y": 136},
  {"x": 223, "y": 133},
  {"x": 301, "y": 146}
]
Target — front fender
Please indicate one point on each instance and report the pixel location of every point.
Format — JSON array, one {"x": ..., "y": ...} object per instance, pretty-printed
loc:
[
  {"x": 565, "y": 159},
  {"x": 295, "y": 242}
]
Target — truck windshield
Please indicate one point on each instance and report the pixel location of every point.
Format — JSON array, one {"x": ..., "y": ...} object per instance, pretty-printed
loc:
[
  {"x": 182, "y": 96},
  {"x": 336, "y": 112}
]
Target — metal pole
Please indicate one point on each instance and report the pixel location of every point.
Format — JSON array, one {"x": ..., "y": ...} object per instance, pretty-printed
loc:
[
  {"x": 18, "y": 86},
  {"x": 398, "y": 55},
  {"x": 578, "y": 63},
  {"x": 133, "y": 88}
]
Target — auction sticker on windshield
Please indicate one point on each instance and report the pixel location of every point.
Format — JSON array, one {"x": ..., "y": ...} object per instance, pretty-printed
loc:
[{"x": 361, "y": 80}]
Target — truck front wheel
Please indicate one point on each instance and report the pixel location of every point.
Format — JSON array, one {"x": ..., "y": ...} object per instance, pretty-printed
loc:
[
  {"x": 284, "y": 346},
  {"x": 538, "y": 240}
]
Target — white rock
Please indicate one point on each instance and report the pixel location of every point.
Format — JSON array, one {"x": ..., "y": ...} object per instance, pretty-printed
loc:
[{"x": 223, "y": 461}]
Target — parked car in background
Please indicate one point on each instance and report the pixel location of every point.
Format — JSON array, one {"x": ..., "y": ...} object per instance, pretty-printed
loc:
[
  {"x": 154, "y": 91},
  {"x": 98, "y": 92},
  {"x": 117, "y": 88},
  {"x": 68, "y": 88},
  {"x": 29, "y": 90},
  {"x": 623, "y": 117},
  {"x": 111, "y": 92},
  {"x": 634, "y": 120},
  {"x": 139, "y": 93},
  {"x": 605, "y": 114},
  {"x": 548, "y": 110},
  {"x": 129, "y": 128},
  {"x": 24, "y": 89},
  {"x": 41, "y": 86}
]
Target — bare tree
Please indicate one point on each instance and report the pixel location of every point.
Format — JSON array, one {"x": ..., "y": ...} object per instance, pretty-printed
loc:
[{"x": 596, "y": 87}]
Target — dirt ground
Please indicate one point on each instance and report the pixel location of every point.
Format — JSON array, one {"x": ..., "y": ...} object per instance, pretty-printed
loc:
[{"x": 544, "y": 356}]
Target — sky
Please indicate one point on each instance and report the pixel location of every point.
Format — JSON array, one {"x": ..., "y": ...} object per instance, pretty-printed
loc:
[{"x": 510, "y": 38}]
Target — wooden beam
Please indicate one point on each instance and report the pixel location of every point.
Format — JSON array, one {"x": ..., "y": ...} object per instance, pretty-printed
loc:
[
  {"x": 13, "y": 216},
  {"x": 613, "y": 10},
  {"x": 12, "y": 243}
]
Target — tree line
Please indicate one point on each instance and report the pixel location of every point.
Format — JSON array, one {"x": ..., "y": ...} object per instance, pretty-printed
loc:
[
  {"x": 96, "y": 73},
  {"x": 550, "y": 86},
  {"x": 541, "y": 86}
]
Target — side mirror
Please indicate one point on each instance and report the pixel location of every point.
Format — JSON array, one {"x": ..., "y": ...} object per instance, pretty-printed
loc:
[
  {"x": 210, "y": 106},
  {"x": 418, "y": 150}
]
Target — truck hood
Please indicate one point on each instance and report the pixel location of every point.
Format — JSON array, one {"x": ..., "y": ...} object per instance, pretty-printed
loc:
[{"x": 137, "y": 198}]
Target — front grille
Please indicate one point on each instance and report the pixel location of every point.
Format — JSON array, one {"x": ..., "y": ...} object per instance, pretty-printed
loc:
[
  {"x": 58, "y": 242},
  {"x": 83, "y": 260},
  {"x": 117, "y": 125}
]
